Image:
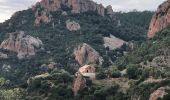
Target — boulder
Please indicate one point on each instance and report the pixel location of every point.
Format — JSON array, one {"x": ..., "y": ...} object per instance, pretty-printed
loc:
[
  {"x": 24, "y": 45},
  {"x": 85, "y": 54}
]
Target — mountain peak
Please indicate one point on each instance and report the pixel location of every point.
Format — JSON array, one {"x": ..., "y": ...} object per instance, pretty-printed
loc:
[{"x": 44, "y": 7}]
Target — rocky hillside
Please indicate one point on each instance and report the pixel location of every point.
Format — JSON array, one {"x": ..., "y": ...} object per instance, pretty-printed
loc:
[
  {"x": 43, "y": 47},
  {"x": 161, "y": 19}
]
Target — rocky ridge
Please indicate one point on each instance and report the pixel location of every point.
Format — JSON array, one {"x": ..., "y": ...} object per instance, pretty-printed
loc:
[
  {"x": 44, "y": 8},
  {"x": 85, "y": 54}
]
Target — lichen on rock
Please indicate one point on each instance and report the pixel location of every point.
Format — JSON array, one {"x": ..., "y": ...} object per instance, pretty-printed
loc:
[{"x": 160, "y": 19}]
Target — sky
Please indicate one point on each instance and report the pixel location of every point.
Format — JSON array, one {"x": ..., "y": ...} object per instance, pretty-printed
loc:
[{"x": 8, "y": 7}]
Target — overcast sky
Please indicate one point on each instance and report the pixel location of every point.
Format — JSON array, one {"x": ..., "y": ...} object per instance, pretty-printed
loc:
[{"x": 8, "y": 7}]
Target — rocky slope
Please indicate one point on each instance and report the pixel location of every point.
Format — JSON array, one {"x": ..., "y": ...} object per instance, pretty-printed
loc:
[
  {"x": 112, "y": 42},
  {"x": 24, "y": 45},
  {"x": 160, "y": 19},
  {"x": 159, "y": 93},
  {"x": 44, "y": 8}
]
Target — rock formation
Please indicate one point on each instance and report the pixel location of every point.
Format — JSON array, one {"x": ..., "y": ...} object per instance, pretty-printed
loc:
[
  {"x": 3, "y": 56},
  {"x": 160, "y": 19},
  {"x": 72, "y": 25},
  {"x": 159, "y": 93},
  {"x": 85, "y": 54},
  {"x": 79, "y": 83},
  {"x": 42, "y": 16},
  {"x": 44, "y": 8},
  {"x": 19, "y": 42},
  {"x": 112, "y": 42},
  {"x": 109, "y": 10}
]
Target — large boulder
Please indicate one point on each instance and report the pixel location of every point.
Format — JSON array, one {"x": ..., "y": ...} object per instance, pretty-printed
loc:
[
  {"x": 72, "y": 25},
  {"x": 19, "y": 42},
  {"x": 85, "y": 54},
  {"x": 160, "y": 19}
]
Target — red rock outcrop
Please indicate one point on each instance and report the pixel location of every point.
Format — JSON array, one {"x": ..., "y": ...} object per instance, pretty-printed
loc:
[
  {"x": 160, "y": 19},
  {"x": 42, "y": 16},
  {"x": 79, "y": 83},
  {"x": 159, "y": 93},
  {"x": 19, "y": 42},
  {"x": 76, "y": 6},
  {"x": 72, "y": 25},
  {"x": 85, "y": 54}
]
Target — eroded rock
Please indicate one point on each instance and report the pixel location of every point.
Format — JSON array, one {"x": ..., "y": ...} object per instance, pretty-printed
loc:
[
  {"x": 160, "y": 19},
  {"x": 72, "y": 25},
  {"x": 113, "y": 42},
  {"x": 159, "y": 93},
  {"x": 85, "y": 54},
  {"x": 24, "y": 45},
  {"x": 3, "y": 56},
  {"x": 109, "y": 10},
  {"x": 79, "y": 83},
  {"x": 76, "y": 6}
]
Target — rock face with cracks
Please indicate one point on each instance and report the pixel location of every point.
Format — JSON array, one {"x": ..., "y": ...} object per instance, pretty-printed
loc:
[
  {"x": 85, "y": 54},
  {"x": 43, "y": 8},
  {"x": 72, "y": 25},
  {"x": 160, "y": 19},
  {"x": 24, "y": 45}
]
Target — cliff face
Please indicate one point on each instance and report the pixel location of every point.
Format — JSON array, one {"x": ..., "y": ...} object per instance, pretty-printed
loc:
[
  {"x": 22, "y": 44},
  {"x": 160, "y": 19},
  {"x": 44, "y": 8},
  {"x": 85, "y": 54}
]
